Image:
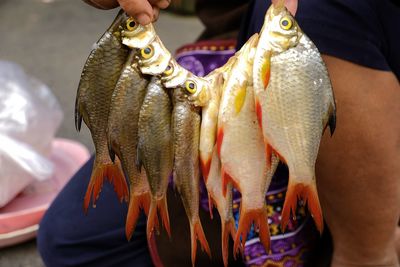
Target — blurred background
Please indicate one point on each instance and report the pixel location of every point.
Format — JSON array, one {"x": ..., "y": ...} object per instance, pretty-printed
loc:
[{"x": 51, "y": 40}]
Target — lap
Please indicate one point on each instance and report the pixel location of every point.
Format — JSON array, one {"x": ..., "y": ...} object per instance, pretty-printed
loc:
[{"x": 68, "y": 237}]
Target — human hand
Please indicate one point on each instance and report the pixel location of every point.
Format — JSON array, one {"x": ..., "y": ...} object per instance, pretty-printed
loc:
[
  {"x": 291, "y": 5},
  {"x": 143, "y": 11}
]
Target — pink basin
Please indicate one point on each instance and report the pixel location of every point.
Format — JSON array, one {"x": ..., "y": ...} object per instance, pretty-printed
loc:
[{"x": 20, "y": 218}]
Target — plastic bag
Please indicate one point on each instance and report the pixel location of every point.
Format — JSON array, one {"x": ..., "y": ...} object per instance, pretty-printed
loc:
[{"x": 29, "y": 118}]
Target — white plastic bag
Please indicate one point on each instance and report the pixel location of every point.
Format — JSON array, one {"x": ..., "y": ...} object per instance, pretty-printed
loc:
[{"x": 29, "y": 117}]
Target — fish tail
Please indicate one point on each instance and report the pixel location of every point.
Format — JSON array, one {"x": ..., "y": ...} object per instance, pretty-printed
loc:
[
  {"x": 196, "y": 232},
  {"x": 228, "y": 228},
  {"x": 306, "y": 192},
  {"x": 205, "y": 167},
  {"x": 247, "y": 218},
  {"x": 258, "y": 111},
  {"x": 163, "y": 210},
  {"x": 136, "y": 203},
  {"x": 210, "y": 206},
  {"x": 117, "y": 178},
  {"x": 95, "y": 184},
  {"x": 155, "y": 257}
]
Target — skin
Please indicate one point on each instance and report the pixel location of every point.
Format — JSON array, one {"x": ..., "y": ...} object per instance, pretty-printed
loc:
[
  {"x": 143, "y": 11},
  {"x": 365, "y": 233}
]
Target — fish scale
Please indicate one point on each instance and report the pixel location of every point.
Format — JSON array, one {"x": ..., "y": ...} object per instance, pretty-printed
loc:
[{"x": 98, "y": 80}]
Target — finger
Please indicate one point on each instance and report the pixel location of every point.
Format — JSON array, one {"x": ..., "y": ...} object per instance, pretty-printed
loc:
[
  {"x": 291, "y": 5},
  {"x": 156, "y": 13},
  {"x": 162, "y": 4},
  {"x": 102, "y": 4},
  {"x": 140, "y": 10}
]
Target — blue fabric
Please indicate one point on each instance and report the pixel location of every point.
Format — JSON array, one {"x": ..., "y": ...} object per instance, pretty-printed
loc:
[
  {"x": 68, "y": 237},
  {"x": 364, "y": 32}
]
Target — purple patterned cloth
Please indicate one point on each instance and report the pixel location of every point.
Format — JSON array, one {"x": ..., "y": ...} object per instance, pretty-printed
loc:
[{"x": 288, "y": 249}]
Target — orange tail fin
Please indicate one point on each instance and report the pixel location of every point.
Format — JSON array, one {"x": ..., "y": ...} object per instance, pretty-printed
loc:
[
  {"x": 260, "y": 219},
  {"x": 306, "y": 192},
  {"x": 152, "y": 219},
  {"x": 196, "y": 232},
  {"x": 113, "y": 173},
  {"x": 136, "y": 203},
  {"x": 220, "y": 138},
  {"x": 154, "y": 252},
  {"x": 228, "y": 228}
]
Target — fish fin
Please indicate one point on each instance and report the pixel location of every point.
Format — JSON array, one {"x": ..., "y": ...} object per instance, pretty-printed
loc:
[
  {"x": 240, "y": 97},
  {"x": 332, "y": 119},
  {"x": 220, "y": 138},
  {"x": 163, "y": 210},
  {"x": 155, "y": 257},
  {"x": 136, "y": 203},
  {"x": 266, "y": 69},
  {"x": 205, "y": 167},
  {"x": 117, "y": 178},
  {"x": 139, "y": 162},
  {"x": 258, "y": 112},
  {"x": 210, "y": 206},
  {"x": 95, "y": 184},
  {"x": 247, "y": 218},
  {"x": 268, "y": 154},
  {"x": 78, "y": 114},
  {"x": 226, "y": 179},
  {"x": 196, "y": 232},
  {"x": 306, "y": 192},
  {"x": 228, "y": 228}
]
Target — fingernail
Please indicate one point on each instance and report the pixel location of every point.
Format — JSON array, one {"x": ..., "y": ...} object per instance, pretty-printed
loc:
[{"x": 143, "y": 19}]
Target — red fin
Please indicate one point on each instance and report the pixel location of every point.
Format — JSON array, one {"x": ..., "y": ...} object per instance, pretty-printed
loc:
[
  {"x": 259, "y": 112},
  {"x": 226, "y": 179},
  {"x": 136, "y": 203},
  {"x": 114, "y": 174},
  {"x": 268, "y": 154},
  {"x": 228, "y": 228},
  {"x": 308, "y": 193},
  {"x": 205, "y": 168},
  {"x": 117, "y": 178},
  {"x": 154, "y": 252},
  {"x": 196, "y": 232},
  {"x": 220, "y": 138},
  {"x": 152, "y": 219},
  {"x": 210, "y": 205},
  {"x": 94, "y": 187},
  {"x": 260, "y": 219}
]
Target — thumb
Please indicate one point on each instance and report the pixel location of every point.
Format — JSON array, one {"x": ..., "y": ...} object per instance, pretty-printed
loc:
[{"x": 291, "y": 5}]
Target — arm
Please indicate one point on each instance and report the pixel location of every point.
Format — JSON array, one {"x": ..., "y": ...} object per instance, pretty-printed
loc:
[{"x": 144, "y": 11}]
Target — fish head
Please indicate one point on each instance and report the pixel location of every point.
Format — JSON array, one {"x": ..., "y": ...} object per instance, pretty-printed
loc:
[
  {"x": 280, "y": 30},
  {"x": 174, "y": 75},
  {"x": 197, "y": 89},
  {"x": 154, "y": 58},
  {"x": 135, "y": 35}
]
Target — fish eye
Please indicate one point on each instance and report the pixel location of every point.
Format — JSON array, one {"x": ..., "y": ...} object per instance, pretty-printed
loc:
[
  {"x": 191, "y": 87},
  {"x": 131, "y": 24},
  {"x": 147, "y": 52},
  {"x": 169, "y": 70},
  {"x": 286, "y": 23}
]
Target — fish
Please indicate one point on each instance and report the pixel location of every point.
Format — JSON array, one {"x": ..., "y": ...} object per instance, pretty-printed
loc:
[
  {"x": 123, "y": 120},
  {"x": 295, "y": 104},
  {"x": 135, "y": 35},
  {"x": 241, "y": 149},
  {"x": 186, "y": 129},
  {"x": 174, "y": 75},
  {"x": 223, "y": 203},
  {"x": 154, "y": 58},
  {"x": 98, "y": 80},
  {"x": 155, "y": 151},
  {"x": 208, "y": 132}
]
